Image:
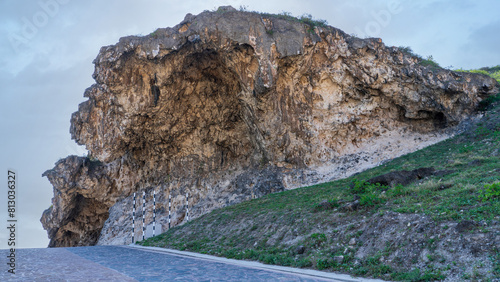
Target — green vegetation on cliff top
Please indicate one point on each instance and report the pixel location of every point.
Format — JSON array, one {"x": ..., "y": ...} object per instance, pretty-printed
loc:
[{"x": 491, "y": 71}]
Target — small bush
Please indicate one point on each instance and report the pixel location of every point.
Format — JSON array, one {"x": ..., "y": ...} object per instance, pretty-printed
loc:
[
  {"x": 490, "y": 191},
  {"x": 361, "y": 187},
  {"x": 317, "y": 239},
  {"x": 407, "y": 50},
  {"x": 398, "y": 190},
  {"x": 369, "y": 193},
  {"x": 358, "y": 187},
  {"x": 304, "y": 263},
  {"x": 308, "y": 20},
  {"x": 370, "y": 200},
  {"x": 430, "y": 62},
  {"x": 485, "y": 104},
  {"x": 466, "y": 149},
  {"x": 325, "y": 263},
  {"x": 496, "y": 75}
]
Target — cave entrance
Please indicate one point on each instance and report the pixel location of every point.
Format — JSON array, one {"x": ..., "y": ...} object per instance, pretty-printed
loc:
[{"x": 439, "y": 120}]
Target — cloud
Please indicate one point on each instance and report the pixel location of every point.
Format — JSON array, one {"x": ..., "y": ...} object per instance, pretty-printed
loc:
[{"x": 481, "y": 47}]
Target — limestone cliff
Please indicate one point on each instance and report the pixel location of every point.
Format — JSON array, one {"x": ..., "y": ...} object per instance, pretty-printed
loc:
[{"x": 232, "y": 105}]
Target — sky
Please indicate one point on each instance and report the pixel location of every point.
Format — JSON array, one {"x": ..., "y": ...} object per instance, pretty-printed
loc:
[{"x": 47, "y": 48}]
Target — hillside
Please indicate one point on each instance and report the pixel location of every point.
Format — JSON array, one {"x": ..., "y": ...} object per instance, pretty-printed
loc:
[
  {"x": 442, "y": 226},
  {"x": 230, "y": 105},
  {"x": 494, "y": 72}
]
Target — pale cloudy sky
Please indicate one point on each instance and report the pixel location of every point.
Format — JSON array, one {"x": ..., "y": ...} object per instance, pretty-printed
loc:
[{"x": 47, "y": 48}]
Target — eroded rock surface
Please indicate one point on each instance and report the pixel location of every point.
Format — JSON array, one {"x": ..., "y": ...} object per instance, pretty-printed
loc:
[{"x": 230, "y": 105}]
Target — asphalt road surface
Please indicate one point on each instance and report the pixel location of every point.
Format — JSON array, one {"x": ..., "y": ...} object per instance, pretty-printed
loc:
[{"x": 133, "y": 263}]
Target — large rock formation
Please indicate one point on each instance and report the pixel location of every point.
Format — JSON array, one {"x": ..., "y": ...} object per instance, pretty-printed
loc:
[{"x": 232, "y": 105}]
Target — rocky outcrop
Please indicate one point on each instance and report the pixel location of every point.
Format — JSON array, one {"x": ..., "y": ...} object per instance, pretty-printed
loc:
[
  {"x": 78, "y": 209},
  {"x": 405, "y": 177},
  {"x": 230, "y": 105}
]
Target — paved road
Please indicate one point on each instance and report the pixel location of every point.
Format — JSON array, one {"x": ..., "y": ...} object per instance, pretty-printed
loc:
[{"x": 124, "y": 263}]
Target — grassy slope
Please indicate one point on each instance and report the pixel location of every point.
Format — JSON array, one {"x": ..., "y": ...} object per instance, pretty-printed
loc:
[{"x": 272, "y": 228}]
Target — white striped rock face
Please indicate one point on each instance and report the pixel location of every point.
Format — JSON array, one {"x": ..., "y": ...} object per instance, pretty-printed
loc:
[{"x": 222, "y": 108}]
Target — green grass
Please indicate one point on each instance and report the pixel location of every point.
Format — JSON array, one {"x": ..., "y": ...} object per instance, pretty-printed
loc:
[
  {"x": 258, "y": 229},
  {"x": 496, "y": 261},
  {"x": 427, "y": 62},
  {"x": 430, "y": 62},
  {"x": 490, "y": 191},
  {"x": 429, "y": 274},
  {"x": 494, "y": 72}
]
